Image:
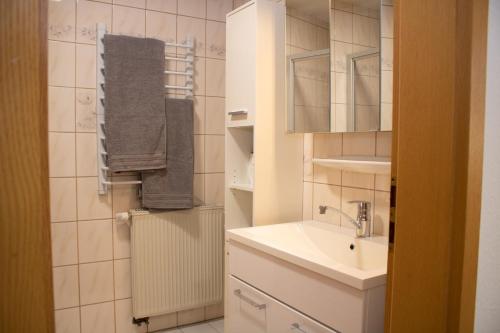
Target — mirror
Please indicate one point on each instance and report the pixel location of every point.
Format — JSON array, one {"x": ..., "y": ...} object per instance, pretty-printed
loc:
[{"x": 337, "y": 80}]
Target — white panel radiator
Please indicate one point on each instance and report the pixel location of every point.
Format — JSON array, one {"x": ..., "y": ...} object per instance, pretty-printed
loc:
[{"x": 177, "y": 260}]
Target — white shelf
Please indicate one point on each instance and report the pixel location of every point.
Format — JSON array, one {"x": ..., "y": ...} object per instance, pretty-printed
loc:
[
  {"x": 363, "y": 164},
  {"x": 242, "y": 187}
]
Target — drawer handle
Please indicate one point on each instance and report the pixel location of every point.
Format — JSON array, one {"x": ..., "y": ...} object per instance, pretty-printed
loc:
[
  {"x": 296, "y": 327},
  {"x": 238, "y": 293},
  {"x": 237, "y": 112}
]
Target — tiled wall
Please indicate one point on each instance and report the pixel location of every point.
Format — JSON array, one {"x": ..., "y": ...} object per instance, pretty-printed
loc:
[
  {"x": 387, "y": 50},
  {"x": 331, "y": 186},
  {"x": 91, "y": 254},
  {"x": 353, "y": 29},
  {"x": 311, "y": 87}
]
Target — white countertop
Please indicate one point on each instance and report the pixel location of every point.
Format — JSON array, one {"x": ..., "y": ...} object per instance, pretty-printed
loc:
[{"x": 323, "y": 248}]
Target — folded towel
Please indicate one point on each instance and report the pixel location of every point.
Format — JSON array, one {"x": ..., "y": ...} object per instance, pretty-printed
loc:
[
  {"x": 134, "y": 103},
  {"x": 173, "y": 188}
]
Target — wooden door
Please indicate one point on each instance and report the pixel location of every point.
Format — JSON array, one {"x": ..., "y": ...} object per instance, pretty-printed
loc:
[
  {"x": 439, "y": 81},
  {"x": 25, "y": 261}
]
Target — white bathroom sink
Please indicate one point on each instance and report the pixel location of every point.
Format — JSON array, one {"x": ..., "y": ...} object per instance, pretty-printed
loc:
[{"x": 323, "y": 248}]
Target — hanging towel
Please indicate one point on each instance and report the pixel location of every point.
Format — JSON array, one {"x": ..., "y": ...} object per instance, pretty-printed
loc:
[
  {"x": 134, "y": 103},
  {"x": 173, "y": 188}
]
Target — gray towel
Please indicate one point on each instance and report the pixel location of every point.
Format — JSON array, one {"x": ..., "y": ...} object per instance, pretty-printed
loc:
[
  {"x": 134, "y": 102},
  {"x": 173, "y": 188}
]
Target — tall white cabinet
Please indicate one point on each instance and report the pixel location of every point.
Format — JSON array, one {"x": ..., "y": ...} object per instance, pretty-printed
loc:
[{"x": 270, "y": 191}]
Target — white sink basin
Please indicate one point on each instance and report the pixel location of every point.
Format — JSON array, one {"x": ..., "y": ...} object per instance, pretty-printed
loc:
[{"x": 322, "y": 248}]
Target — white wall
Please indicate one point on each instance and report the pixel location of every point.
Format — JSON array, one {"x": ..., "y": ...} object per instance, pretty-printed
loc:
[{"x": 488, "y": 279}]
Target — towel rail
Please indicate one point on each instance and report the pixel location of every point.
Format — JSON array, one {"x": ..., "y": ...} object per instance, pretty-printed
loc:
[{"x": 102, "y": 161}]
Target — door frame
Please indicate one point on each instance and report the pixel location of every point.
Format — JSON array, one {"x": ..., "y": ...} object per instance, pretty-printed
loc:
[
  {"x": 439, "y": 100},
  {"x": 25, "y": 247}
]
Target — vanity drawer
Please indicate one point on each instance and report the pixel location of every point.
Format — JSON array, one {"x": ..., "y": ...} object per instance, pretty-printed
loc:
[
  {"x": 250, "y": 310},
  {"x": 325, "y": 300}
]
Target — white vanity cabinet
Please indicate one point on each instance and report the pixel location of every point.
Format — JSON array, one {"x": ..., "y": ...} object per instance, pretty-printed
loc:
[{"x": 251, "y": 311}]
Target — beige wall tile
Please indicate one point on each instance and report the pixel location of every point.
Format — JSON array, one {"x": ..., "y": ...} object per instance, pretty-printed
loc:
[
  {"x": 123, "y": 286},
  {"x": 123, "y": 312},
  {"x": 216, "y": 40},
  {"x": 359, "y": 180},
  {"x": 381, "y": 213},
  {"x": 88, "y": 14},
  {"x": 214, "y": 153},
  {"x": 61, "y": 64},
  {"x": 169, "y": 6},
  {"x": 351, "y": 209},
  {"x": 303, "y": 34},
  {"x": 217, "y": 9},
  {"x": 68, "y": 320},
  {"x": 326, "y": 195},
  {"x": 383, "y": 182},
  {"x": 238, "y": 3},
  {"x": 64, "y": 243},
  {"x": 193, "y": 8},
  {"x": 214, "y": 115},
  {"x": 342, "y": 5},
  {"x": 161, "y": 26},
  {"x": 98, "y": 318},
  {"x": 190, "y": 316},
  {"x": 199, "y": 188},
  {"x": 85, "y": 66},
  {"x": 327, "y": 145},
  {"x": 342, "y": 24},
  {"x": 65, "y": 286},
  {"x": 384, "y": 143},
  {"x": 131, "y": 3},
  {"x": 96, "y": 282},
  {"x": 199, "y": 76},
  {"x": 307, "y": 201},
  {"x": 86, "y": 154},
  {"x": 341, "y": 50},
  {"x": 62, "y": 20},
  {"x": 95, "y": 239},
  {"x": 121, "y": 241},
  {"x": 215, "y": 77},
  {"x": 340, "y": 88},
  {"x": 199, "y": 153},
  {"x": 91, "y": 205},
  {"x": 214, "y": 189},
  {"x": 199, "y": 114},
  {"x": 129, "y": 21},
  {"x": 326, "y": 175},
  {"x": 85, "y": 110},
  {"x": 362, "y": 144},
  {"x": 62, "y": 199},
  {"x": 191, "y": 27},
  {"x": 62, "y": 154},
  {"x": 61, "y": 109}
]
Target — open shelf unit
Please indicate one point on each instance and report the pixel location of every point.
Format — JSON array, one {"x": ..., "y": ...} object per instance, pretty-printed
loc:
[{"x": 271, "y": 190}]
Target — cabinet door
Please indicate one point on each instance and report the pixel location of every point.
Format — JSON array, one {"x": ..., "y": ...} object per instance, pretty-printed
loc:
[
  {"x": 283, "y": 319},
  {"x": 241, "y": 36},
  {"x": 247, "y": 309}
]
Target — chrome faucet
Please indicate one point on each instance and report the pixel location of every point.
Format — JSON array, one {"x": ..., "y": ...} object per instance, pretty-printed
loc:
[{"x": 362, "y": 221}]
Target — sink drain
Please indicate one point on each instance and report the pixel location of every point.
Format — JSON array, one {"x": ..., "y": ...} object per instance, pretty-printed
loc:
[{"x": 352, "y": 246}]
